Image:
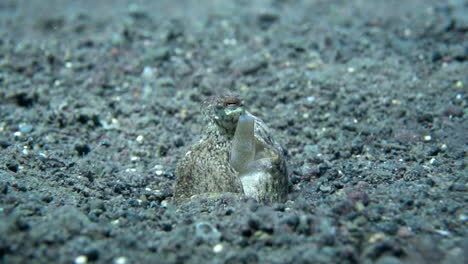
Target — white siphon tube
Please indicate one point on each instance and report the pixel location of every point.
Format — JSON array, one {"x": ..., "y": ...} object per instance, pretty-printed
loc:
[{"x": 243, "y": 143}]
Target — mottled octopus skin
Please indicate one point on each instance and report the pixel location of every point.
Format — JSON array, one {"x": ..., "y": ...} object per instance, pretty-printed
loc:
[{"x": 205, "y": 169}]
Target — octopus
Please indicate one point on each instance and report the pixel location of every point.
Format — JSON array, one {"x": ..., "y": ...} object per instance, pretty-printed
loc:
[{"x": 236, "y": 154}]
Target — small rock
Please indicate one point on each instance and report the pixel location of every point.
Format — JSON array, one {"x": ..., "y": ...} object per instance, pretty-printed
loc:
[
  {"x": 25, "y": 100},
  {"x": 425, "y": 118},
  {"x": 12, "y": 167},
  {"x": 427, "y": 138},
  {"x": 207, "y": 233},
  {"x": 165, "y": 82},
  {"x": 81, "y": 260},
  {"x": 160, "y": 54},
  {"x": 218, "y": 248},
  {"x": 434, "y": 151},
  {"x": 4, "y": 144},
  {"x": 92, "y": 254},
  {"x": 453, "y": 111},
  {"x": 121, "y": 260},
  {"x": 82, "y": 149},
  {"x": 159, "y": 170},
  {"x": 25, "y": 128},
  {"x": 147, "y": 73},
  {"x": 140, "y": 138},
  {"x": 404, "y": 232},
  {"x": 325, "y": 188},
  {"x": 267, "y": 18}
]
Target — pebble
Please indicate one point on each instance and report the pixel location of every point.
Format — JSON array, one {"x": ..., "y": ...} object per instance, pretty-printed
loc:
[
  {"x": 404, "y": 232},
  {"x": 147, "y": 73},
  {"x": 165, "y": 82},
  {"x": 82, "y": 149},
  {"x": 25, "y": 150},
  {"x": 442, "y": 232},
  {"x": 207, "y": 233},
  {"x": 140, "y": 139},
  {"x": 218, "y": 248},
  {"x": 312, "y": 66},
  {"x": 92, "y": 254},
  {"x": 453, "y": 111},
  {"x": 81, "y": 260},
  {"x": 158, "y": 169},
  {"x": 12, "y": 167},
  {"x": 121, "y": 260},
  {"x": 463, "y": 217},
  {"x": 25, "y": 128},
  {"x": 311, "y": 99},
  {"x": 325, "y": 188},
  {"x": 160, "y": 54},
  {"x": 377, "y": 237},
  {"x": 267, "y": 17}
]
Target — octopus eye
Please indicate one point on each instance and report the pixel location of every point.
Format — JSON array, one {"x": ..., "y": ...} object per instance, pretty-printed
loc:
[{"x": 232, "y": 102}]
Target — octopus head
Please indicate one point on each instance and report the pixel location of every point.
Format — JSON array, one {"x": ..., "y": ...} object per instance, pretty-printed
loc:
[{"x": 225, "y": 111}]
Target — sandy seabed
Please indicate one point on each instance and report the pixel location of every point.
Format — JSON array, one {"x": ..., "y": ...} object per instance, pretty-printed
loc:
[{"x": 100, "y": 99}]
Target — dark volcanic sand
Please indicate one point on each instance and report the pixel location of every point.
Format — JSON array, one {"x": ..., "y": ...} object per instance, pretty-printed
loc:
[{"x": 100, "y": 99}]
